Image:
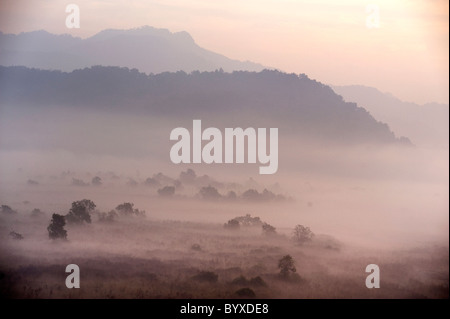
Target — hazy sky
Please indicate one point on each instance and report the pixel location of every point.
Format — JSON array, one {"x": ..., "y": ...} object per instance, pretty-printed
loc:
[{"x": 329, "y": 40}]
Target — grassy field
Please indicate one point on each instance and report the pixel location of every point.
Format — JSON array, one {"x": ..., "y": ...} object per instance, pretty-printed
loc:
[{"x": 143, "y": 258}]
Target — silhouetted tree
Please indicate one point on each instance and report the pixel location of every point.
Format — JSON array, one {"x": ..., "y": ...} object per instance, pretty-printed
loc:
[
  {"x": 56, "y": 228},
  {"x": 251, "y": 194},
  {"x": 7, "y": 210},
  {"x": 107, "y": 217},
  {"x": 80, "y": 211},
  {"x": 268, "y": 230},
  {"x": 286, "y": 265},
  {"x": 188, "y": 177},
  {"x": 96, "y": 181},
  {"x": 209, "y": 193},
  {"x": 302, "y": 234},
  {"x": 249, "y": 221},
  {"x": 152, "y": 182},
  {"x": 232, "y": 224},
  {"x": 37, "y": 213},
  {"x": 127, "y": 209},
  {"x": 166, "y": 191},
  {"x": 15, "y": 236},
  {"x": 79, "y": 182},
  {"x": 268, "y": 195}
]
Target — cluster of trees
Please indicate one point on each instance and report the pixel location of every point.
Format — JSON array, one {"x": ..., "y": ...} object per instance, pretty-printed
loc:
[
  {"x": 208, "y": 188},
  {"x": 301, "y": 234},
  {"x": 166, "y": 191},
  {"x": 286, "y": 266},
  {"x": 246, "y": 221},
  {"x": 211, "y": 193},
  {"x": 188, "y": 177},
  {"x": 249, "y": 221},
  {"x": 80, "y": 213},
  {"x": 96, "y": 181}
]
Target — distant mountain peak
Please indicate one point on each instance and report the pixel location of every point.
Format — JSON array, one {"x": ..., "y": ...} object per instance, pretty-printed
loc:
[{"x": 148, "y": 49}]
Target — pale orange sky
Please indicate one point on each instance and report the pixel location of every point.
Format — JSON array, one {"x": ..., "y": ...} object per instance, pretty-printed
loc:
[{"x": 328, "y": 40}]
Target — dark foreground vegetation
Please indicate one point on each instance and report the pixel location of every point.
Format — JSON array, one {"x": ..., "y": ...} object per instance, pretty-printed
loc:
[{"x": 130, "y": 255}]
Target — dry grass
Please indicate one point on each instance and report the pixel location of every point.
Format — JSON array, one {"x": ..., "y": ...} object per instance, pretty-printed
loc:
[{"x": 143, "y": 258}]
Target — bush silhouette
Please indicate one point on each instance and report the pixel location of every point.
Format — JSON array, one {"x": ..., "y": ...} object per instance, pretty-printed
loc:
[
  {"x": 107, "y": 217},
  {"x": 302, "y": 234},
  {"x": 7, "y": 210},
  {"x": 80, "y": 211},
  {"x": 209, "y": 193},
  {"x": 15, "y": 235},
  {"x": 286, "y": 265},
  {"x": 232, "y": 224},
  {"x": 166, "y": 191},
  {"x": 268, "y": 230},
  {"x": 128, "y": 209},
  {"x": 56, "y": 228}
]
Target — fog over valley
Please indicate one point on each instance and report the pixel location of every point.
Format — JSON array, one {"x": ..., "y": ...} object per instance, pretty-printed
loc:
[{"x": 347, "y": 176}]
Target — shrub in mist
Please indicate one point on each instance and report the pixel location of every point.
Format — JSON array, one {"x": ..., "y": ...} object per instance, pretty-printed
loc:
[
  {"x": 151, "y": 182},
  {"x": 7, "y": 210},
  {"x": 268, "y": 230},
  {"x": 80, "y": 212},
  {"x": 127, "y": 209},
  {"x": 56, "y": 228},
  {"x": 166, "y": 191},
  {"x": 107, "y": 217},
  {"x": 286, "y": 265},
  {"x": 96, "y": 181},
  {"x": 232, "y": 224},
  {"x": 302, "y": 234},
  {"x": 245, "y": 221},
  {"x": 249, "y": 221},
  {"x": 36, "y": 212},
  {"x": 209, "y": 193},
  {"x": 15, "y": 236},
  {"x": 188, "y": 177}
]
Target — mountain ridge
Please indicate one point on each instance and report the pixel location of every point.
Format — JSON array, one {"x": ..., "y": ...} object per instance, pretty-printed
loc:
[
  {"x": 148, "y": 49},
  {"x": 425, "y": 124},
  {"x": 297, "y": 104}
]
